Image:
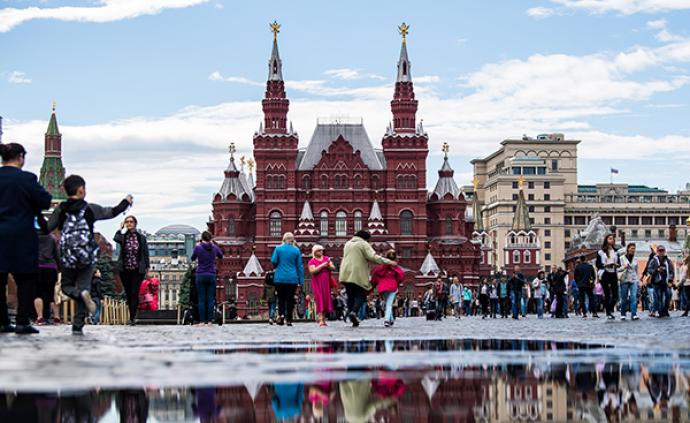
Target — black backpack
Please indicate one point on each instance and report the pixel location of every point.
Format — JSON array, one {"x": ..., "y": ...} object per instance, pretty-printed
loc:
[{"x": 268, "y": 279}]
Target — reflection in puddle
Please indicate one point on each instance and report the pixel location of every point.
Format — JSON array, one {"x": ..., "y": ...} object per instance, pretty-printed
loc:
[{"x": 542, "y": 386}]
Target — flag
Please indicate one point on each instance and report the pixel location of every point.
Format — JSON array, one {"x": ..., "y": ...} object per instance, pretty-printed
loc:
[{"x": 614, "y": 171}]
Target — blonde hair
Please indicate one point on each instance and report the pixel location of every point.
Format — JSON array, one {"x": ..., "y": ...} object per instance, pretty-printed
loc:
[
  {"x": 315, "y": 248},
  {"x": 288, "y": 237}
]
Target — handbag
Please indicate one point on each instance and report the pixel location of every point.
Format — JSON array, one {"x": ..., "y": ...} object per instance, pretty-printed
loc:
[
  {"x": 268, "y": 279},
  {"x": 333, "y": 281}
]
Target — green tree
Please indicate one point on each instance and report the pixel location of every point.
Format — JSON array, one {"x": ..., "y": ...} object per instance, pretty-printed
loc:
[
  {"x": 185, "y": 288},
  {"x": 107, "y": 278}
]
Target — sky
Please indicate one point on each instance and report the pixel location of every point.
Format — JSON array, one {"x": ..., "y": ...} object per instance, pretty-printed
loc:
[{"x": 150, "y": 93}]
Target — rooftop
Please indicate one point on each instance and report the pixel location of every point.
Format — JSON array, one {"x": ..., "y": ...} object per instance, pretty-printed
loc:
[{"x": 178, "y": 229}]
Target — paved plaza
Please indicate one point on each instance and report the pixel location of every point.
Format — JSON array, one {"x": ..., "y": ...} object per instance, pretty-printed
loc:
[{"x": 120, "y": 356}]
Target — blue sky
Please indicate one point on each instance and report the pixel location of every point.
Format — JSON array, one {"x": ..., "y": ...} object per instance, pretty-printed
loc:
[{"x": 149, "y": 93}]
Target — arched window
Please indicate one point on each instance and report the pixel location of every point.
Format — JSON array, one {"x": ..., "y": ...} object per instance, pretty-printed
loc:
[
  {"x": 269, "y": 182},
  {"x": 399, "y": 183},
  {"x": 406, "y": 222},
  {"x": 323, "y": 223},
  {"x": 324, "y": 182},
  {"x": 413, "y": 180},
  {"x": 374, "y": 182},
  {"x": 281, "y": 182},
  {"x": 516, "y": 257},
  {"x": 275, "y": 225},
  {"x": 340, "y": 224},
  {"x": 357, "y": 182},
  {"x": 358, "y": 221},
  {"x": 306, "y": 183},
  {"x": 449, "y": 225},
  {"x": 231, "y": 226},
  {"x": 527, "y": 257}
]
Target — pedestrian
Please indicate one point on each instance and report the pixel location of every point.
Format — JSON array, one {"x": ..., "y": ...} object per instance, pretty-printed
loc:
[
  {"x": 467, "y": 301},
  {"x": 575, "y": 295},
  {"x": 456, "y": 296},
  {"x": 560, "y": 292},
  {"x": 493, "y": 298},
  {"x": 525, "y": 297},
  {"x": 443, "y": 296},
  {"x": 78, "y": 248},
  {"x": 48, "y": 265},
  {"x": 649, "y": 284},
  {"x": 585, "y": 277},
  {"x": 320, "y": 268},
  {"x": 684, "y": 283},
  {"x": 598, "y": 296},
  {"x": 516, "y": 282},
  {"x": 387, "y": 278},
  {"x": 484, "y": 298},
  {"x": 661, "y": 274},
  {"x": 133, "y": 263},
  {"x": 148, "y": 293},
  {"x": 268, "y": 294},
  {"x": 289, "y": 274},
  {"x": 354, "y": 271},
  {"x": 22, "y": 199},
  {"x": 205, "y": 253},
  {"x": 96, "y": 296},
  {"x": 537, "y": 285},
  {"x": 608, "y": 263},
  {"x": 629, "y": 282},
  {"x": 503, "y": 296}
]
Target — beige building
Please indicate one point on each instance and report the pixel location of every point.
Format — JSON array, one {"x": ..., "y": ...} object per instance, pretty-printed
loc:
[{"x": 558, "y": 206}]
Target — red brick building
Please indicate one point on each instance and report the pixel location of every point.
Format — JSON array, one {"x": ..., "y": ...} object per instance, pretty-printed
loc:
[{"x": 336, "y": 185}]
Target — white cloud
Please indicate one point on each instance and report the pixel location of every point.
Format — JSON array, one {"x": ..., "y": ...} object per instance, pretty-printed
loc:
[
  {"x": 540, "y": 12},
  {"x": 664, "y": 35},
  {"x": 216, "y": 76},
  {"x": 351, "y": 74},
  {"x": 107, "y": 11},
  {"x": 17, "y": 77},
  {"x": 625, "y": 7},
  {"x": 427, "y": 79}
]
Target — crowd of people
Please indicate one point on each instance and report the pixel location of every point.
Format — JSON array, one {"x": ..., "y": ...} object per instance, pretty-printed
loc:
[{"x": 35, "y": 258}]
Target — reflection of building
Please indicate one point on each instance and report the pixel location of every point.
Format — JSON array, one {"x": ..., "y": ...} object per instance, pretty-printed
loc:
[
  {"x": 170, "y": 250},
  {"x": 558, "y": 207},
  {"x": 338, "y": 184}
]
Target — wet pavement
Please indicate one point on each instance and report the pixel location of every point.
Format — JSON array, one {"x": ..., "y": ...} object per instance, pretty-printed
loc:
[{"x": 467, "y": 370}]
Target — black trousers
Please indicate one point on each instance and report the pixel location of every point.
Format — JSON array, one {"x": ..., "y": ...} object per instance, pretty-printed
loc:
[
  {"x": 356, "y": 296},
  {"x": 505, "y": 306},
  {"x": 131, "y": 281},
  {"x": 586, "y": 292},
  {"x": 46, "y": 289},
  {"x": 26, "y": 284},
  {"x": 686, "y": 288},
  {"x": 286, "y": 299},
  {"x": 74, "y": 282},
  {"x": 484, "y": 301},
  {"x": 610, "y": 284}
]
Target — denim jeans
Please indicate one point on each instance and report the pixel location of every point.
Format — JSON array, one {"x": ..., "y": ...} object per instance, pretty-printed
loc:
[
  {"x": 540, "y": 307},
  {"x": 389, "y": 297},
  {"x": 662, "y": 298},
  {"x": 515, "y": 296},
  {"x": 272, "y": 310},
  {"x": 652, "y": 300},
  {"x": 525, "y": 302},
  {"x": 628, "y": 298},
  {"x": 206, "y": 291}
]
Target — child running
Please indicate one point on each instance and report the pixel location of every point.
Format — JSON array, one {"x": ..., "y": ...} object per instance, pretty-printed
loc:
[{"x": 386, "y": 278}]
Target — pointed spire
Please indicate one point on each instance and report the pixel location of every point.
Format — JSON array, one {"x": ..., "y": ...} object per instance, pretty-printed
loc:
[
  {"x": 52, "y": 124},
  {"x": 275, "y": 66},
  {"x": 429, "y": 266},
  {"x": 375, "y": 223},
  {"x": 253, "y": 267},
  {"x": 375, "y": 213},
  {"x": 235, "y": 183},
  {"x": 476, "y": 208},
  {"x": 521, "y": 217},
  {"x": 305, "y": 226},
  {"x": 446, "y": 184},
  {"x": 404, "y": 74}
]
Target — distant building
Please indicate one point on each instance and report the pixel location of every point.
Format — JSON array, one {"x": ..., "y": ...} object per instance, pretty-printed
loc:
[{"x": 558, "y": 207}]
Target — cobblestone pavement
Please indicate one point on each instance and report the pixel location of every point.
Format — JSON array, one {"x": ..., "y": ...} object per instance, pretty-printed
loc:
[{"x": 120, "y": 356}]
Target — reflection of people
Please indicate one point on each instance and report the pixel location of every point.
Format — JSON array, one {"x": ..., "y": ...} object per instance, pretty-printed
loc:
[
  {"x": 132, "y": 405},
  {"x": 320, "y": 394},
  {"x": 287, "y": 400},
  {"x": 359, "y": 405}
]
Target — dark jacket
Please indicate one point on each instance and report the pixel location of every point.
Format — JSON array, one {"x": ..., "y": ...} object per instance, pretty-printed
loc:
[
  {"x": 93, "y": 213},
  {"x": 558, "y": 286},
  {"x": 585, "y": 275},
  {"x": 143, "y": 257},
  {"x": 48, "y": 252},
  {"x": 21, "y": 199},
  {"x": 516, "y": 282}
]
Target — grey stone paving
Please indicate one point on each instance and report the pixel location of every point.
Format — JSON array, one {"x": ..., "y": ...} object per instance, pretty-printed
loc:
[{"x": 119, "y": 356}]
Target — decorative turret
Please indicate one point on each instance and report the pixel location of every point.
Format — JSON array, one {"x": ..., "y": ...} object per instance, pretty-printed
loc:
[
  {"x": 446, "y": 184},
  {"x": 253, "y": 267},
  {"x": 306, "y": 226},
  {"x": 429, "y": 266},
  {"x": 375, "y": 223},
  {"x": 52, "y": 171},
  {"x": 235, "y": 186},
  {"x": 404, "y": 105},
  {"x": 522, "y": 246},
  {"x": 275, "y": 103},
  {"x": 521, "y": 217}
]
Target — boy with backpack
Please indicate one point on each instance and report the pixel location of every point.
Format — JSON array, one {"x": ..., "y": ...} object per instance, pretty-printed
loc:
[{"x": 78, "y": 248}]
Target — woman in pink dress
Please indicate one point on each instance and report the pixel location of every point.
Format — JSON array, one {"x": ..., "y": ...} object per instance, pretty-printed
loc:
[{"x": 320, "y": 267}]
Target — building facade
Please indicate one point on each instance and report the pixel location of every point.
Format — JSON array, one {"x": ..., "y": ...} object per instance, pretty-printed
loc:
[
  {"x": 558, "y": 207},
  {"x": 338, "y": 184}
]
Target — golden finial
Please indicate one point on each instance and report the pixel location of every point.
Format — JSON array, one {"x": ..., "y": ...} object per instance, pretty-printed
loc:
[
  {"x": 475, "y": 183},
  {"x": 250, "y": 164},
  {"x": 445, "y": 148},
  {"x": 275, "y": 29},
  {"x": 54, "y": 105},
  {"x": 231, "y": 148},
  {"x": 242, "y": 161},
  {"x": 404, "y": 29},
  {"x": 521, "y": 181}
]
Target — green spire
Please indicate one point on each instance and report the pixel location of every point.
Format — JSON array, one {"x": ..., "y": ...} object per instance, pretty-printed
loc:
[{"x": 52, "y": 125}]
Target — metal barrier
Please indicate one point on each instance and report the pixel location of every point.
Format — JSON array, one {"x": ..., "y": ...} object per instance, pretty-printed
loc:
[{"x": 114, "y": 312}]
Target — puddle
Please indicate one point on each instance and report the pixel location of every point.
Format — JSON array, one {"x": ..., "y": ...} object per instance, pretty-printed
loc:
[{"x": 461, "y": 380}]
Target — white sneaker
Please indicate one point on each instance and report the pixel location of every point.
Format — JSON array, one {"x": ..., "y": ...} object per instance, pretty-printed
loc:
[
  {"x": 90, "y": 304},
  {"x": 622, "y": 316}
]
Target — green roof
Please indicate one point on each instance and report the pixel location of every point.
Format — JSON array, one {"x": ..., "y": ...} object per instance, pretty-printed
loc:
[
  {"x": 586, "y": 189},
  {"x": 638, "y": 189},
  {"x": 52, "y": 125}
]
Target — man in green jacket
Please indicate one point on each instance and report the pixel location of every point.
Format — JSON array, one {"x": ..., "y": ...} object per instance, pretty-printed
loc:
[{"x": 354, "y": 271}]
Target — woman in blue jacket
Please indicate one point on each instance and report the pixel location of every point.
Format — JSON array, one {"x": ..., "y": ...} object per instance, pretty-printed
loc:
[{"x": 288, "y": 274}]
